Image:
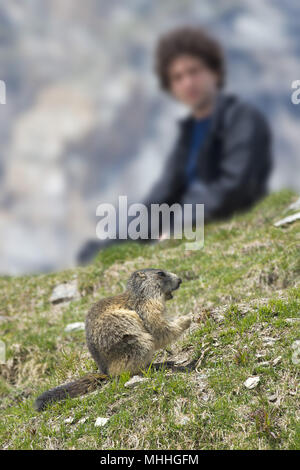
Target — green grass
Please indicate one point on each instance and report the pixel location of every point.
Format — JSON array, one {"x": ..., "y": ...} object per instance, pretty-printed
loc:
[{"x": 241, "y": 288}]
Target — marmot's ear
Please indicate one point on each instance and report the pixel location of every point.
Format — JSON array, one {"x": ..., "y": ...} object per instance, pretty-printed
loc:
[{"x": 140, "y": 275}]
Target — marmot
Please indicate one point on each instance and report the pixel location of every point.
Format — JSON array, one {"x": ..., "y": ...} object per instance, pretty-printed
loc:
[{"x": 123, "y": 332}]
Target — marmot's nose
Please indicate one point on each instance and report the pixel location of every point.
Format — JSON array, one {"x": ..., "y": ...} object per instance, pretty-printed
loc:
[{"x": 179, "y": 280}]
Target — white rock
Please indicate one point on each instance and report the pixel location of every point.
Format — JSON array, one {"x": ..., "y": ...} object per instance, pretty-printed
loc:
[
  {"x": 69, "y": 420},
  {"x": 288, "y": 220},
  {"x": 134, "y": 381},
  {"x": 101, "y": 422},
  {"x": 252, "y": 382},
  {"x": 77, "y": 326},
  {"x": 82, "y": 420},
  {"x": 65, "y": 292}
]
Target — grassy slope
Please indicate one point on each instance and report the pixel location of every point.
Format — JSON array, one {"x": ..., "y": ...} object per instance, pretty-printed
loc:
[{"x": 240, "y": 287}]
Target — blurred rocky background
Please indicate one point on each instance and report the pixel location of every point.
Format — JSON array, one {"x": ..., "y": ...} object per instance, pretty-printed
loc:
[{"x": 84, "y": 120}]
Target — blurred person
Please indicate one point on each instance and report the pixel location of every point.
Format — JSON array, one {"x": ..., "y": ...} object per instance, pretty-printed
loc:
[{"x": 222, "y": 156}]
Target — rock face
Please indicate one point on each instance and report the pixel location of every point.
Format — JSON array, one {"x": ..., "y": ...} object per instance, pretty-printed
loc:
[{"x": 79, "y": 128}]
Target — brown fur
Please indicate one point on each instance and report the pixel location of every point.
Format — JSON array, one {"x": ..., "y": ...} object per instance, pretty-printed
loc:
[{"x": 123, "y": 332}]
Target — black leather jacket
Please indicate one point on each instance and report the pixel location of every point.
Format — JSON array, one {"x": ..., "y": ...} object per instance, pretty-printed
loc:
[{"x": 233, "y": 165}]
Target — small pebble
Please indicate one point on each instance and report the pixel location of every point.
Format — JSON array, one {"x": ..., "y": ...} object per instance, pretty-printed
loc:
[
  {"x": 276, "y": 360},
  {"x": 77, "y": 326},
  {"x": 252, "y": 382},
  {"x": 101, "y": 422},
  {"x": 134, "y": 381}
]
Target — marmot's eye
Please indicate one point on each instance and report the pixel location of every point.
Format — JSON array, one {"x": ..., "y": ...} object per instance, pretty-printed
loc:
[{"x": 161, "y": 274}]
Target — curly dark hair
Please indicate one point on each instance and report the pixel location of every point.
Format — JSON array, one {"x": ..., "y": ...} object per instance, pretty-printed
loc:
[{"x": 193, "y": 41}]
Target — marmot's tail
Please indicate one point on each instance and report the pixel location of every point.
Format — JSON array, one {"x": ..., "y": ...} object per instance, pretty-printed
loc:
[{"x": 87, "y": 383}]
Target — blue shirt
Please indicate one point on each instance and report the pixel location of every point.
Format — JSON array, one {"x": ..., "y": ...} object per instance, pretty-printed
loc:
[{"x": 200, "y": 129}]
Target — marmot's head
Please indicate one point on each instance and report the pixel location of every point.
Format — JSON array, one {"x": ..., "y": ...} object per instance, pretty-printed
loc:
[{"x": 153, "y": 283}]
